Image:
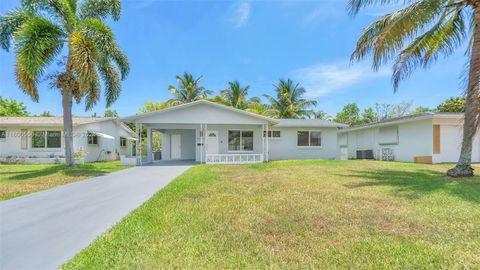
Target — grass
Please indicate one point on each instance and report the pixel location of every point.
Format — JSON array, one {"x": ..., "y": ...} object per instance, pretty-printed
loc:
[
  {"x": 299, "y": 214},
  {"x": 18, "y": 180}
]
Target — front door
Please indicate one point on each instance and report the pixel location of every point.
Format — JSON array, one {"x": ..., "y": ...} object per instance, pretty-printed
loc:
[
  {"x": 212, "y": 142},
  {"x": 176, "y": 146}
]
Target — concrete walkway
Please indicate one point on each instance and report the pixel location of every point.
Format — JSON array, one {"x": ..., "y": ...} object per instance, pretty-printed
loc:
[{"x": 43, "y": 230}]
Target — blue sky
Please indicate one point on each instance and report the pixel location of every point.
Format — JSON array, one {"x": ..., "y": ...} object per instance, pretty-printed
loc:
[{"x": 255, "y": 42}]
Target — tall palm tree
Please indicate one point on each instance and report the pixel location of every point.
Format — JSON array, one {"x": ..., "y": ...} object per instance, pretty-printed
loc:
[
  {"x": 289, "y": 102},
  {"x": 235, "y": 95},
  {"x": 39, "y": 29},
  {"x": 188, "y": 89},
  {"x": 415, "y": 36}
]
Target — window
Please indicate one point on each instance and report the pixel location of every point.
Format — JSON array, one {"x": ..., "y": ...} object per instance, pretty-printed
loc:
[
  {"x": 3, "y": 134},
  {"x": 54, "y": 139},
  {"x": 275, "y": 134},
  {"x": 240, "y": 140},
  {"x": 92, "y": 138},
  {"x": 46, "y": 139},
  {"x": 309, "y": 138},
  {"x": 123, "y": 142}
]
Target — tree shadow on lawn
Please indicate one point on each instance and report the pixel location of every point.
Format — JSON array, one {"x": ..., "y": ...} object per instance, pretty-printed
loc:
[
  {"x": 419, "y": 183},
  {"x": 74, "y": 171}
]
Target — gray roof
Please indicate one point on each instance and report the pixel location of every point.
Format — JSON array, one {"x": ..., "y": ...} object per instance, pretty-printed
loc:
[
  {"x": 407, "y": 118},
  {"x": 57, "y": 120},
  {"x": 307, "y": 123}
]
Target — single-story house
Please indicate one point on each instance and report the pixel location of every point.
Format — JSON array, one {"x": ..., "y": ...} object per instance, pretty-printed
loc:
[
  {"x": 40, "y": 139},
  {"x": 424, "y": 137},
  {"x": 209, "y": 132}
]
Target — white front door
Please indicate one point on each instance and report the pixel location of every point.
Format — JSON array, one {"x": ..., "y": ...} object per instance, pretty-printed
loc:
[
  {"x": 343, "y": 153},
  {"x": 176, "y": 146},
  {"x": 212, "y": 142}
]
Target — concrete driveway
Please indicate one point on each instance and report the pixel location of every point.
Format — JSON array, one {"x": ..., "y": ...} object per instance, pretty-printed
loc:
[{"x": 43, "y": 230}]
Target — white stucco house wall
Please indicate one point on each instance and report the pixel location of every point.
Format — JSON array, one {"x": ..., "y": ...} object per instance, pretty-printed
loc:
[
  {"x": 425, "y": 137},
  {"x": 209, "y": 132},
  {"x": 40, "y": 139}
]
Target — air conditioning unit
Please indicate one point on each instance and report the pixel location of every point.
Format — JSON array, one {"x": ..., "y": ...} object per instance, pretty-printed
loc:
[{"x": 387, "y": 154}]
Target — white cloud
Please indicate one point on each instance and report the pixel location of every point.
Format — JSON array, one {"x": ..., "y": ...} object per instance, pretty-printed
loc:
[
  {"x": 240, "y": 13},
  {"x": 325, "y": 78}
]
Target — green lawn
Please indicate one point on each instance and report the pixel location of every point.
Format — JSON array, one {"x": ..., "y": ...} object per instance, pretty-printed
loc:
[
  {"x": 299, "y": 214},
  {"x": 17, "y": 180}
]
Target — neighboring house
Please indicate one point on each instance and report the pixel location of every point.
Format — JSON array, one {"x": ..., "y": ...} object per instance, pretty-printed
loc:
[
  {"x": 40, "y": 139},
  {"x": 212, "y": 133},
  {"x": 424, "y": 137}
]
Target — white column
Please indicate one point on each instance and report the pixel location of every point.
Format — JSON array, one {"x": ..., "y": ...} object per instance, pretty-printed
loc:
[
  {"x": 205, "y": 135},
  {"x": 140, "y": 144},
  {"x": 200, "y": 133},
  {"x": 149, "y": 145},
  {"x": 137, "y": 142},
  {"x": 266, "y": 156},
  {"x": 263, "y": 141}
]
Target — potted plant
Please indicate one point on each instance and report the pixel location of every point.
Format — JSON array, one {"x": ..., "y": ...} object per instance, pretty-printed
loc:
[{"x": 79, "y": 157}]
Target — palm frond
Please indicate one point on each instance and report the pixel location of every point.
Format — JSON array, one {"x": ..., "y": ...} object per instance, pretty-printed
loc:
[
  {"x": 354, "y": 6},
  {"x": 83, "y": 57},
  {"x": 9, "y": 23},
  {"x": 101, "y": 9},
  {"x": 386, "y": 36},
  {"x": 112, "y": 82},
  {"x": 93, "y": 93},
  {"x": 36, "y": 43},
  {"x": 443, "y": 38}
]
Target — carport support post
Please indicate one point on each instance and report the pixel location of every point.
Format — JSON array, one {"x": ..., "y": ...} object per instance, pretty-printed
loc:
[
  {"x": 266, "y": 156},
  {"x": 149, "y": 144},
  {"x": 264, "y": 137},
  {"x": 206, "y": 142}
]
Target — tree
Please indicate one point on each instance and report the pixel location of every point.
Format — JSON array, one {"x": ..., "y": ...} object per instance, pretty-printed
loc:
[
  {"x": 386, "y": 111},
  {"x": 40, "y": 29},
  {"x": 258, "y": 108},
  {"x": 369, "y": 116},
  {"x": 111, "y": 113},
  {"x": 350, "y": 115},
  {"x": 154, "y": 106},
  {"x": 46, "y": 114},
  {"x": 421, "y": 109},
  {"x": 453, "y": 104},
  {"x": 11, "y": 107},
  {"x": 188, "y": 90},
  {"x": 320, "y": 115},
  {"x": 415, "y": 36},
  {"x": 289, "y": 101},
  {"x": 235, "y": 95}
]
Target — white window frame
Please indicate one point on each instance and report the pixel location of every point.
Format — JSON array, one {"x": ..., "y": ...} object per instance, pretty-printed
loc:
[
  {"x": 309, "y": 139},
  {"x": 46, "y": 140},
  {"x": 271, "y": 133},
  {"x": 91, "y": 135},
  {"x": 241, "y": 144},
  {"x": 4, "y": 134}
]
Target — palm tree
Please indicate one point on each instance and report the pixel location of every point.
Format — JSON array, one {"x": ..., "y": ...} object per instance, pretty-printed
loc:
[
  {"x": 289, "y": 102},
  {"x": 235, "y": 95},
  {"x": 416, "y": 36},
  {"x": 40, "y": 29},
  {"x": 320, "y": 115},
  {"x": 188, "y": 89}
]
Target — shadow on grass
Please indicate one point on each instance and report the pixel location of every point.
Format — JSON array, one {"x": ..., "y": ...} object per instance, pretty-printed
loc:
[
  {"x": 416, "y": 184},
  {"x": 73, "y": 171}
]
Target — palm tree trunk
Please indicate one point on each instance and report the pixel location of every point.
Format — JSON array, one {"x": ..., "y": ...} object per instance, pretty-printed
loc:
[
  {"x": 463, "y": 167},
  {"x": 68, "y": 126}
]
